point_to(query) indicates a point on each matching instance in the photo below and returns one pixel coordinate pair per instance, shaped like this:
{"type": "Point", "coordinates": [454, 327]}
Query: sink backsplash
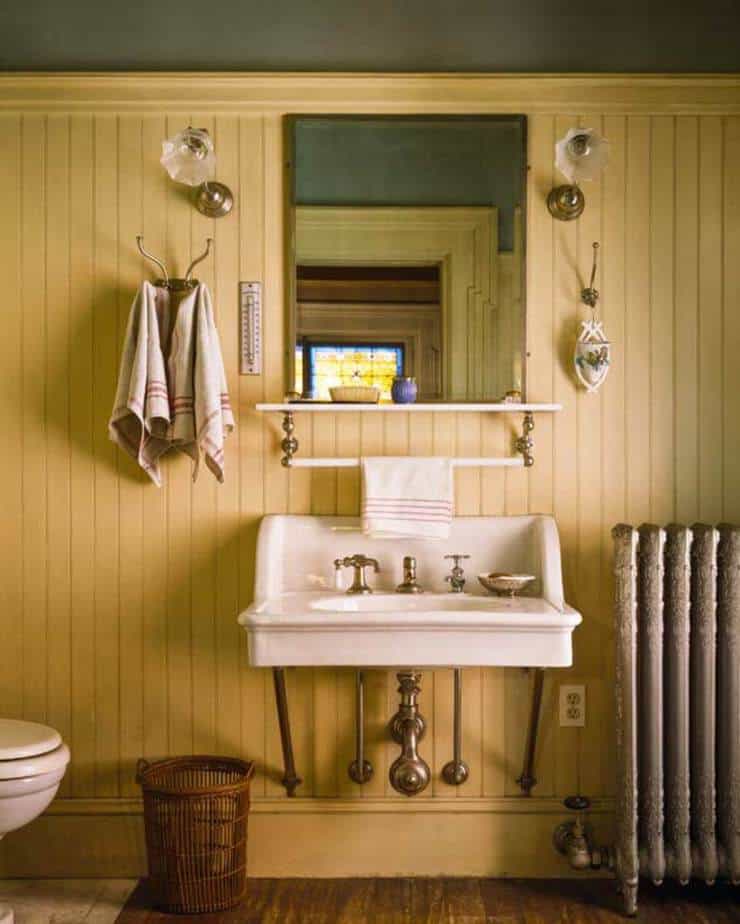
{"type": "Point", "coordinates": [303, 548]}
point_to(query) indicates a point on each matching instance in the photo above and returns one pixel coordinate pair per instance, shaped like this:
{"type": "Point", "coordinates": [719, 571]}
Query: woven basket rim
{"type": "Point", "coordinates": [145, 769]}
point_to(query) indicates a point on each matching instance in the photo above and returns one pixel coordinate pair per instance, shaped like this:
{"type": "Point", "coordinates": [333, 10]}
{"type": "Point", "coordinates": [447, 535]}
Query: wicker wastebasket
{"type": "Point", "coordinates": [195, 819]}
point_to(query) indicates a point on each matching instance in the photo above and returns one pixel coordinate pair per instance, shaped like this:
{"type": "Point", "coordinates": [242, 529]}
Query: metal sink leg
{"type": "Point", "coordinates": [528, 780]}
{"type": "Point", "coordinates": [290, 779]}
{"type": "Point", "coordinates": [360, 770]}
{"type": "Point", "coordinates": [456, 771]}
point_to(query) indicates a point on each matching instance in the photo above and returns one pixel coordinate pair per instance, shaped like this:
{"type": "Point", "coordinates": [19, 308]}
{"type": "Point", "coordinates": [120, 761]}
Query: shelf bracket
{"type": "Point", "coordinates": [525, 443]}
{"type": "Point", "coordinates": [289, 444]}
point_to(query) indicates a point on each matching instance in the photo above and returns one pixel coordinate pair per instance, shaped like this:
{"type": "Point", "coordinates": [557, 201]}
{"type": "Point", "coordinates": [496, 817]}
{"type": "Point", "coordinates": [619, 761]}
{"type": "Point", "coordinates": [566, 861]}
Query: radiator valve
{"type": "Point", "coordinates": [574, 839]}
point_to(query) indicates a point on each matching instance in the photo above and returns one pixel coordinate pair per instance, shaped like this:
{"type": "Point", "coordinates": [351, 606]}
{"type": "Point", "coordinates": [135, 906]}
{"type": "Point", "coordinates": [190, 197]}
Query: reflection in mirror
{"type": "Point", "coordinates": [407, 256]}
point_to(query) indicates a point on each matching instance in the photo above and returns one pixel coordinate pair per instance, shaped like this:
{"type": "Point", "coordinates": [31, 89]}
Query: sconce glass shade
{"type": "Point", "coordinates": [189, 157]}
{"type": "Point", "coordinates": [581, 155]}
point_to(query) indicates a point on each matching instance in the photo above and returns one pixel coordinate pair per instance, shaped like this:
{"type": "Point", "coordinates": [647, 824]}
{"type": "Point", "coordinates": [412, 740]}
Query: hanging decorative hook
{"type": "Point", "coordinates": [590, 295]}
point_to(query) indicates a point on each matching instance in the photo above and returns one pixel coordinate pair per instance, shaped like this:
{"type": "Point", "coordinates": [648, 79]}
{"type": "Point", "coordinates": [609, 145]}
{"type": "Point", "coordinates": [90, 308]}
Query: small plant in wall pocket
{"type": "Point", "coordinates": [592, 354]}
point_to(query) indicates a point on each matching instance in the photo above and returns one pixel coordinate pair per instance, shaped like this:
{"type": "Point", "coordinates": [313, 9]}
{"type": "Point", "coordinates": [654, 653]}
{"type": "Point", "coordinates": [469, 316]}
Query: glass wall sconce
{"type": "Point", "coordinates": [189, 158]}
{"type": "Point", "coordinates": [580, 155]}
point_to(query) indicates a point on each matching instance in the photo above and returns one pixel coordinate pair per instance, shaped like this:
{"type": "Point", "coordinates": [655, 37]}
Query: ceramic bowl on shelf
{"type": "Point", "coordinates": [504, 584]}
{"type": "Point", "coordinates": [355, 394]}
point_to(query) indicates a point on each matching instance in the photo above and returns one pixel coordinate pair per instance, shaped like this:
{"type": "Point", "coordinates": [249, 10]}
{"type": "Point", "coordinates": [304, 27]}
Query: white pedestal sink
{"type": "Point", "coordinates": [299, 618]}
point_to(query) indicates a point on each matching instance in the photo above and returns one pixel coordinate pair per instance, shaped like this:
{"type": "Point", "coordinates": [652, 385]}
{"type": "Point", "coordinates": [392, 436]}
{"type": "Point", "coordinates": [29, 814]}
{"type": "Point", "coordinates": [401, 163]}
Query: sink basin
{"type": "Point", "coordinates": [401, 604]}
{"type": "Point", "coordinates": [298, 618]}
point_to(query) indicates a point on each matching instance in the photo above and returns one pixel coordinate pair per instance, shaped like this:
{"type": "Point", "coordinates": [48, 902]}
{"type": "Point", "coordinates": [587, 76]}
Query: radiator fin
{"type": "Point", "coordinates": [676, 602]}
{"type": "Point", "coordinates": [650, 699]}
{"type": "Point", "coordinates": [728, 711]}
{"type": "Point", "coordinates": [704, 700]}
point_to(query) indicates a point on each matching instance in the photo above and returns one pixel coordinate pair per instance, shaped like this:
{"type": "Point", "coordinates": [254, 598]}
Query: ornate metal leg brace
{"type": "Point", "coordinates": [525, 443]}
{"type": "Point", "coordinates": [456, 771]}
{"type": "Point", "coordinates": [409, 774]}
{"type": "Point", "coordinates": [360, 770]}
{"type": "Point", "coordinates": [290, 780]}
{"type": "Point", "coordinates": [289, 445]}
{"type": "Point", "coordinates": [527, 780]}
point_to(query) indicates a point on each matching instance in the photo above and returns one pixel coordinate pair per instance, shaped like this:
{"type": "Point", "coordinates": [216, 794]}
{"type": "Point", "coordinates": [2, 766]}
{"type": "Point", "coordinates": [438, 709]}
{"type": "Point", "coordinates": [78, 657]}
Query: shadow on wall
{"type": "Point", "coordinates": [85, 424]}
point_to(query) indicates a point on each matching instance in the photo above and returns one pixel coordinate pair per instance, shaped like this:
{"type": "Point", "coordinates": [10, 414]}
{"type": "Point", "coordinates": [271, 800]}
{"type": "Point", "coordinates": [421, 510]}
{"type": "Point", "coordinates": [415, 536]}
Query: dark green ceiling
{"type": "Point", "coordinates": [385, 35]}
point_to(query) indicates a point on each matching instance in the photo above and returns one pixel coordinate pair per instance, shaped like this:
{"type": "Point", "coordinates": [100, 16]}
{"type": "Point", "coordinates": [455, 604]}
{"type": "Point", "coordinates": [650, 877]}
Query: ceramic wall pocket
{"type": "Point", "coordinates": [592, 355]}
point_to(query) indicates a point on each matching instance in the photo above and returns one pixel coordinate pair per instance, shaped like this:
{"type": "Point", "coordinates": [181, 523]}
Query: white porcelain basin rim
{"type": "Point", "coordinates": [317, 611]}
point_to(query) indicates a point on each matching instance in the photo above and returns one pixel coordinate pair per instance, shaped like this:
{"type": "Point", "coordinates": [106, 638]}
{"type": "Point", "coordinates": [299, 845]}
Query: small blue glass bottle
{"type": "Point", "coordinates": [404, 390]}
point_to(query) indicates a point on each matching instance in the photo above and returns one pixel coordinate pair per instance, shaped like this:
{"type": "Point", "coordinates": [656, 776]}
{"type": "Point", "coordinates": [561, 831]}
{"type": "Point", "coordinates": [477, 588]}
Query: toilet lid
{"type": "Point", "coordinates": [26, 739]}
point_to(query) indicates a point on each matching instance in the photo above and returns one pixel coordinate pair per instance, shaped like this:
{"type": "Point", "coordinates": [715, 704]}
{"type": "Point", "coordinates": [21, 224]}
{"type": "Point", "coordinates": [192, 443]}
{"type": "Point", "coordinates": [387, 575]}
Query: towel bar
{"type": "Point", "coordinates": [495, 462]}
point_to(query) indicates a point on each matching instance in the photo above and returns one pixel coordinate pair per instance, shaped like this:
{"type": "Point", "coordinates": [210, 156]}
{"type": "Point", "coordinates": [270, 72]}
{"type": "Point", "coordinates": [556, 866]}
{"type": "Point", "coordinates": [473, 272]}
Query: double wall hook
{"type": "Point", "coordinates": [173, 283]}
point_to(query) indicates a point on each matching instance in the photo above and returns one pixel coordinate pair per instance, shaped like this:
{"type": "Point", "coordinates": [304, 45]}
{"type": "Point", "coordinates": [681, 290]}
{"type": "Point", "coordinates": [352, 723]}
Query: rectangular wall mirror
{"type": "Point", "coordinates": [407, 255]}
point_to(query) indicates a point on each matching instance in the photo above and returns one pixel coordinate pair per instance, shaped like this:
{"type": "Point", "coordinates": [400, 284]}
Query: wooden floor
{"type": "Point", "coordinates": [452, 901]}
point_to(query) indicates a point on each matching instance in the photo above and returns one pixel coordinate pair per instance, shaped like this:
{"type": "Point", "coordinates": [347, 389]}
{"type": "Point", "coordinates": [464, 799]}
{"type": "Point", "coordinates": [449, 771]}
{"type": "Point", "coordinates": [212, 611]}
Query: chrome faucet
{"type": "Point", "coordinates": [456, 577]}
{"type": "Point", "coordinates": [359, 563]}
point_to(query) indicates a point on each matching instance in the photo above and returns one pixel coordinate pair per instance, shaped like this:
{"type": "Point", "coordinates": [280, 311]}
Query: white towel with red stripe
{"type": "Point", "coordinates": [140, 420]}
{"type": "Point", "coordinates": [172, 394]}
{"type": "Point", "coordinates": [407, 497]}
{"type": "Point", "coordinates": [200, 411]}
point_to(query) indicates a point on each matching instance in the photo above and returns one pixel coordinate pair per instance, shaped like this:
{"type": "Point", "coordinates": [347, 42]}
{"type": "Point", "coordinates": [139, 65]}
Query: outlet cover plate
{"type": "Point", "coordinates": [572, 704]}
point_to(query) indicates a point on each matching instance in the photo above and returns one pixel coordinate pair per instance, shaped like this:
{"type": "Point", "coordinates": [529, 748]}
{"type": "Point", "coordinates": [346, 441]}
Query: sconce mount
{"type": "Point", "coordinates": [214, 200]}
{"type": "Point", "coordinates": [566, 202]}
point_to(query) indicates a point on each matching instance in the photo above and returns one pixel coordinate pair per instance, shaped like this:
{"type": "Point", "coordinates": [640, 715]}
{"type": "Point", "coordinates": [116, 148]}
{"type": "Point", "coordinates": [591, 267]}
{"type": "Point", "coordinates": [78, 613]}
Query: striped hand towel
{"type": "Point", "coordinates": [141, 414]}
{"type": "Point", "coordinates": [407, 497]}
{"type": "Point", "coordinates": [199, 402]}
{"type": "Point", "coordinates": [179, 403]}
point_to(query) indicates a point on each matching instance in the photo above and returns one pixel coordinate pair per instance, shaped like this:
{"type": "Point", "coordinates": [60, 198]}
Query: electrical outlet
{"type": "Point", "coordinates": [573, 705]}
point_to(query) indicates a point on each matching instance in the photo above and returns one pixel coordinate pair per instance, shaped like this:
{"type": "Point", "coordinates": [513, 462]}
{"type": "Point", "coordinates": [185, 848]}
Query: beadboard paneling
{"type": "Point", "coordinates": [119, 601]}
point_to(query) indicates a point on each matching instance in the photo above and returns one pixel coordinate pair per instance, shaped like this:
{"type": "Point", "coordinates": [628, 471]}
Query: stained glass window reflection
{"type": "Point", "coordinates": [330, 365]}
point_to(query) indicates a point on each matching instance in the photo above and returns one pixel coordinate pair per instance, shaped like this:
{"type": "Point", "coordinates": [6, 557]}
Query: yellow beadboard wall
{"type": "Point", "coordinates": [118, 601]}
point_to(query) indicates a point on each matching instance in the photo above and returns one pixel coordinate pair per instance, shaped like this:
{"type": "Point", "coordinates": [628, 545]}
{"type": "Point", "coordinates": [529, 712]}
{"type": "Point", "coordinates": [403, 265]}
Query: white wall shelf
{"type": "Point", "coordinates": [523, 445]}
{"type": "Point", "coordinates": [318, 407]}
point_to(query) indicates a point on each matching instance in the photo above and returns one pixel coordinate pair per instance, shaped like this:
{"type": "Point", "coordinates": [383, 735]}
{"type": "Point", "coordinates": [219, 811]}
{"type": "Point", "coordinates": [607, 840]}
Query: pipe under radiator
{"type": "Point", "coordinates": [677, 615]}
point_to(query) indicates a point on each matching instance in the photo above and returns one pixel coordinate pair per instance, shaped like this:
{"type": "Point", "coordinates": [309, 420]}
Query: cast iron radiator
{"type": "Point", "coordinates": [677, 610]}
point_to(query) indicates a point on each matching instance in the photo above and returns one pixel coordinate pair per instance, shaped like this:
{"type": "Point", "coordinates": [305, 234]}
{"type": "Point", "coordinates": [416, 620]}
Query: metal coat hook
{"type": "Point", "coordinates": [197, 260]}
{"type": "Point", "coordinates": [175, 284]}
{"type": "Point", "coordinates": [150, 256]}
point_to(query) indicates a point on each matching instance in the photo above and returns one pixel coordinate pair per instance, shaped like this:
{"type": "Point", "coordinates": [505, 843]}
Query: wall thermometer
{"type": "Point", "coordinates": [250, 328]}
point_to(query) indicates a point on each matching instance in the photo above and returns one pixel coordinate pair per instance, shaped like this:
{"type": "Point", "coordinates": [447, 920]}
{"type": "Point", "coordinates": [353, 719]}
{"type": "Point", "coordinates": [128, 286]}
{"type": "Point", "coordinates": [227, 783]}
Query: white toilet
{"type": "Point", "coordinates": [33, 759]}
